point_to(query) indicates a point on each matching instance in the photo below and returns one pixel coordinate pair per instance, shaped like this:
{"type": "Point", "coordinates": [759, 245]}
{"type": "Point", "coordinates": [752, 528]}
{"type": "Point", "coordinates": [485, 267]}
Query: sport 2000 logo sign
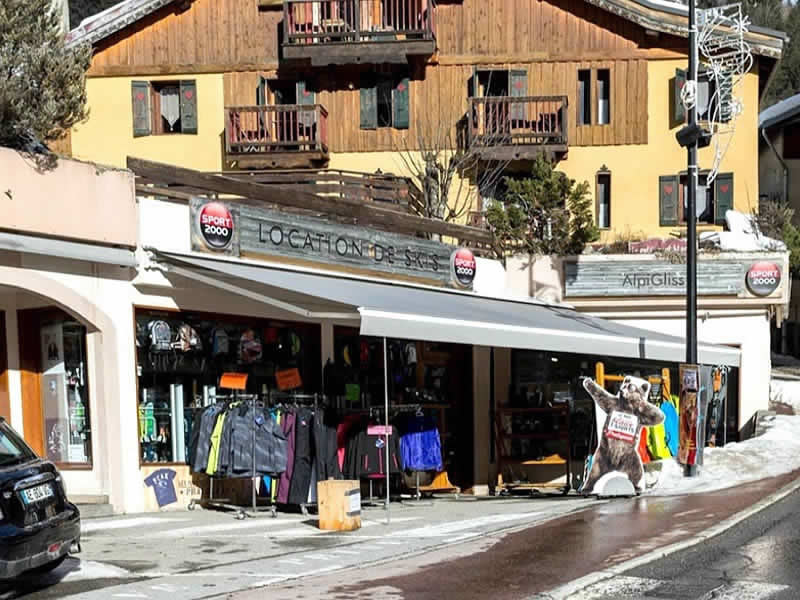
{"type": "Point", "coordinates": [763, 278]}
{"type": "Point", "coordinates": [215, 224]}
{"type": "Point", "coordinates": [463, 266]}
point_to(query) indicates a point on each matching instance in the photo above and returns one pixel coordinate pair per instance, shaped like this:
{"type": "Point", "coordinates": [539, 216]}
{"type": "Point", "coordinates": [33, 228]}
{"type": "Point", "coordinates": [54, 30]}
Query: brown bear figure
{"type": "Point", "coordinates": [627, 412]}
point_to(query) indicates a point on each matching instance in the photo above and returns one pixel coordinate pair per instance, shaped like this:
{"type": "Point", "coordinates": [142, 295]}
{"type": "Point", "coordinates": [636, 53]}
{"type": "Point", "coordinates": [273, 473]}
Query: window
{"type": "Point", "coordinates": [385, 103]}
{"type": "Point", "coordinates": [65, 391]}
{"type": "Point", "coordinates": [181, 356]}
{"type": "Point", "coordinates": [603, 199]}
{"type": "Point", "coordinates": [164, 107]}
{"type": "Point", "coordinates": [603, 97]}
{"type": "Point", "coordinates": [584, 97]}
{"type": "Point", "coordinates": [791, 142]}
{"type": "Point", "coordinates": [13, 450]}
{"type": "Point", "coordinates": [713, 201]}
{"type": "Point", "coordinates": [713, 102]}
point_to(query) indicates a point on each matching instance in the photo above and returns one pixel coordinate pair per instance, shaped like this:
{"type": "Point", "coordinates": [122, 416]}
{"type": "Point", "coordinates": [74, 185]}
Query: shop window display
{"type": "Point", "coordinates": [181, 357]}
{"type": "Point", "coordinates": [65, 392]}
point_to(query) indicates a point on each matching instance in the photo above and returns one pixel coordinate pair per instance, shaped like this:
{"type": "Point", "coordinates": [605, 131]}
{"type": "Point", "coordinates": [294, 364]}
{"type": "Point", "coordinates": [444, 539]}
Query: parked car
{"type": "Point", "coordinates": [39, 527]}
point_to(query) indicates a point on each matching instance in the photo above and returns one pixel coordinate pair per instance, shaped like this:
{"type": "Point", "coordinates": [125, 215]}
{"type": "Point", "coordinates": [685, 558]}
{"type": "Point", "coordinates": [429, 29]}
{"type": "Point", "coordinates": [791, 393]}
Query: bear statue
{"type": "Point", "coordinates": [626, 413]}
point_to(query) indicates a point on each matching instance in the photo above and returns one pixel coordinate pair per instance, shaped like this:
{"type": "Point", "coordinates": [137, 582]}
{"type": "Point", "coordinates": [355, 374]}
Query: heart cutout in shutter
{"type": "Point", "coordinates": [401, 88]}
{"type": "Point", "coordinates": [724, 188]}
{"type": "Point", "coordinates": [306, 93]}
{"type": "Point", "coordinates": [518, 85]}
{"type": "Point", "coordinates": [667, 189]}
{"type": "Point", "coordinates": [188, 94]}
{"type": "Point", "coordinates": [140, 96]}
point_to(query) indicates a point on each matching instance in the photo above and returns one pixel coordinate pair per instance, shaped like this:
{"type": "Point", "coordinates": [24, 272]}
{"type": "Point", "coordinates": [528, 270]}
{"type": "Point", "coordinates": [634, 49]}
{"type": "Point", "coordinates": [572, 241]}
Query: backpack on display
{"type": "Point", "coordinates": [160, 335]}
{"type": "Point", "coordinates": [188, 339]}
{"type": "Point", "coordinates": [220, 342]}
{"type": "Point", "coordinates": [249, 347]}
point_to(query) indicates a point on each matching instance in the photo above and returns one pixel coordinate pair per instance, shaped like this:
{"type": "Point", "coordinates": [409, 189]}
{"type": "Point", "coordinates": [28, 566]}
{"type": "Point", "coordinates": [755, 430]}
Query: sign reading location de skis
{"type": "Point", "coordinates": [232, 229]}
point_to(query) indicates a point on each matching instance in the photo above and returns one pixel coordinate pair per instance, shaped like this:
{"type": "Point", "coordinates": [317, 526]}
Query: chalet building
{"type": "Point", "coordinates": [362, 85]}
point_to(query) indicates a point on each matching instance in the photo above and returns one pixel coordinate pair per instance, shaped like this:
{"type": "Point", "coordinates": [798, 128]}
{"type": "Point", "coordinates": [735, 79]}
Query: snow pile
{"type": "Point", "coordinates": [742, 236]}
{"type": "Point", "coordinates": [775, 453]}
{"type": "Point", "coordinates": [785, 392]}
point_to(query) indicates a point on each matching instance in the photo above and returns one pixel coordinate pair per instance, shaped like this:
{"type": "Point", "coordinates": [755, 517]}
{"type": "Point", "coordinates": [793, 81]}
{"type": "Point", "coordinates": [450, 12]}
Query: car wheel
{"type": "Point", "coordinates": [51, 566]}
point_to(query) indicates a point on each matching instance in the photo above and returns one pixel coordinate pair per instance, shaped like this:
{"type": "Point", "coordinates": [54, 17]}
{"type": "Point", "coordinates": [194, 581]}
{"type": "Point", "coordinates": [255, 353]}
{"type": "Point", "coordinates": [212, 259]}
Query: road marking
{"type": "Point", "coordinates": [622, 587]}
{"type": "Point", "coordinates": [111, 524]}
{"type": "Point", "coordinates": [203, 530]}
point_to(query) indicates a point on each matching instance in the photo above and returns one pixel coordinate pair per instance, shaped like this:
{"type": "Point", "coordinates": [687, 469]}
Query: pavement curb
{"type": "Point", "coordinates": [565, 591]}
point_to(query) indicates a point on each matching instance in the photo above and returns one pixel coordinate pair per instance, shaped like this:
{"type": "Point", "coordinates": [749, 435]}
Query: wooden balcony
{"type": "Point", "coordinates": [342, 32]}
{"type": "Point", "coordinates": [284, 136]}
{"type": "Point", "coordinates": [519, 128]}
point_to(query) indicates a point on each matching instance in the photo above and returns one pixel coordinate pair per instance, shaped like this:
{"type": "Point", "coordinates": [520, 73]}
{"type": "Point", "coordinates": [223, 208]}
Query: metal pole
{"type": "Point", "coordinates": [691, 217]}
{"type": "Point", "coordinates": [386, 419]}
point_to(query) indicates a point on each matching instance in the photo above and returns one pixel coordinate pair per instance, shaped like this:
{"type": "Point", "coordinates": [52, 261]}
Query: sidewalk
{"type": "Point", "coordinates": [203, 554]}
{"type": "Point", "coordinates": [520, 564]}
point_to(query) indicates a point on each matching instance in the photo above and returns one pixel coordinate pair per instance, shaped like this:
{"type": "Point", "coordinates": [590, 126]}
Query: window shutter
{"type": "Point", "coordinates": [369, 107]}
{"type": "Point", "coordinates": [140, 95]}
{"type": "Point", "coordinates": [723, 196]}
{"type": "Point", "coordinates": [400, 110]}
{"type": "Point", "coordinates": [668, 200]}
{"type": "Point", "coordinates": [188, 106]}
{"type": "Point", "coordinates": [518, 87]}
{"type": "Point", "coordinates": [305, 97]}
{"type": "Point", "coordinates": [678, 110]}
{"type": "Point", "coordinates": [724, 88]}
{"type": "Point", "coordinates": [261, 92]}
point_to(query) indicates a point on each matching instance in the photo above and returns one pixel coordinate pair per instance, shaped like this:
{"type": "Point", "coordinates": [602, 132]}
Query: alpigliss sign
{"type": "Point", "coordinates": [238, 230]}
{"type": "Point", "coordinates": [717, 277]}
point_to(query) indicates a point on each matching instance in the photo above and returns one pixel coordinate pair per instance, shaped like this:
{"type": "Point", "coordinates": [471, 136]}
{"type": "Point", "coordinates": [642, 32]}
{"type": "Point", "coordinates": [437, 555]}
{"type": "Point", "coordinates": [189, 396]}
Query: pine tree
{"type": "Point", "coordinates": [787, 80]}
{"type": "Point", "coordinates": [42, 82]}
{"type": "Point", "coordinates": [546, 213]}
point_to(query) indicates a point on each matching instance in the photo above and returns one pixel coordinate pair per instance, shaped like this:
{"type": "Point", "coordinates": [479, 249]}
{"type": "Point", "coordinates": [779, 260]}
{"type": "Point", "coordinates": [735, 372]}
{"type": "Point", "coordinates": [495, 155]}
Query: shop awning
{"type": "Point", "coordinates": [420, 313]}
{"type": "Point", "coordinates": [14, 242]}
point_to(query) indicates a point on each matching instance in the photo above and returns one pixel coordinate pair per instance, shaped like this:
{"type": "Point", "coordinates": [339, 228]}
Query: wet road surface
{"type": "Point", "coordinates": [519, 565]}
{"type": "Point", "coordinates": [759, 558]}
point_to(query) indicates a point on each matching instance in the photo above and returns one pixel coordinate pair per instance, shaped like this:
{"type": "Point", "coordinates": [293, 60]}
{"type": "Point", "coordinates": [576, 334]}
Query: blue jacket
{"type": "Point", "coordinates": [670, 426]}
{"type": "Point", "coordinates": [420, 445]}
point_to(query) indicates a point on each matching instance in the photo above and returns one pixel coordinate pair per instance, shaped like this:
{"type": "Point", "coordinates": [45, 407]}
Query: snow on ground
{"type": "Point", "coordinates": [775, 453]}
{"type": "Point", "coordinates": [785, 392]}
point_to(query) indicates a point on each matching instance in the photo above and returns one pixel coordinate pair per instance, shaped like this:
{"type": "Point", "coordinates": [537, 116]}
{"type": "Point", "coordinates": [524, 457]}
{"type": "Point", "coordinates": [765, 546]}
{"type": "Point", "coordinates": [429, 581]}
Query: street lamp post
{"type": "Point", "coordinates": [691, 217]}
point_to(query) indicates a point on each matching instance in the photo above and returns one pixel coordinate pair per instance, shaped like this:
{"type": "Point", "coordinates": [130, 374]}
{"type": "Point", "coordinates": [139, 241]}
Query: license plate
{"type": "Point", "coordinates": [37, 494]}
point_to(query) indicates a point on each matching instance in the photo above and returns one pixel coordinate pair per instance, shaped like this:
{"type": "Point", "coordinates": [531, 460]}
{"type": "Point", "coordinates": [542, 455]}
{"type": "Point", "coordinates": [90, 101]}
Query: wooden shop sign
{"type": "Point", "coordinates": [227, 228]}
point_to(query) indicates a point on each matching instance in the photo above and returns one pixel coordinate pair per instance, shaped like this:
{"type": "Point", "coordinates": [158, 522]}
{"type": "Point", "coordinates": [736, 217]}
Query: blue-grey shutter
{"type": "Point", "coordinates": [188, 106]}
{"type": "Point", "coordinates": [668, 200]}
{"type": "Point", "coordinates": [140, 97]}
{"type": "Point", "coordinates": [369, 107]}
{"type": "Point", "coordinates": [305, 97]}
{"type": "Point", "coordinates": [518, 87]}
{"type": "Point", "coordinates": [678, 110]}
{"type": "Point", "coordinates": [723, 196]}
{"type": "Point", "coordinates": [400, 108]}
{"type": "Point", "coordinates": [261, 92]}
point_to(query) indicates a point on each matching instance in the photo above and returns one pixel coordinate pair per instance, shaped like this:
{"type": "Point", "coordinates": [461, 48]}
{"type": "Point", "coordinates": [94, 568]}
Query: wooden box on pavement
{"type": "Point", "coordinates": [339, 504]}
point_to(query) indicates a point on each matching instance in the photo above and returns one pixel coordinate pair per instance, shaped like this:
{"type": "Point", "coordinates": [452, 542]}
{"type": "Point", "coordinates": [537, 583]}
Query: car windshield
{"type": "Point", "coordinates": [12, 449]}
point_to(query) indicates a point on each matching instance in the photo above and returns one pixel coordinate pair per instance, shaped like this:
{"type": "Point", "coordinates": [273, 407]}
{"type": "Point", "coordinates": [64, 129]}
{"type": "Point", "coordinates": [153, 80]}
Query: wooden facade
{"type": "Point", "coordinates": [236, 35]}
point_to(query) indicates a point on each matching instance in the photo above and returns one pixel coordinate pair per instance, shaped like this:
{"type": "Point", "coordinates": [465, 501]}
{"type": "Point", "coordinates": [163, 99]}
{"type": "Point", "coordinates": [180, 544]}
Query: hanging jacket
{"type": "Point", "coordinates": [657, 442]}
{"type": "Point", "coordinates": [213, 454]}
{"type": "Point", "coordinates": [671, 434]}
{"type": "Point", "coordinates": [420, 445]}
{"type": "Point", "coordinates": [285, 481]}
{"type": "Point", "coordinates": [325, 445]}
{"type": "Point", "coordinates": [200, 445]}
{"type": "Point", "coordinates": [371, 453]}
{"type": "Point", "coordinates": [270, 443]}
{"type": "Point", "coordinates": [642, 447]}
{"type": "Point", "coordinates": [301, 473]}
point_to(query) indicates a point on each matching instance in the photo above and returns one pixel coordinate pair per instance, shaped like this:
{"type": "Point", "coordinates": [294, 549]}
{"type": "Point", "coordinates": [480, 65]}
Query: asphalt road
{"type": "Point", "coordinates": [758, 558]}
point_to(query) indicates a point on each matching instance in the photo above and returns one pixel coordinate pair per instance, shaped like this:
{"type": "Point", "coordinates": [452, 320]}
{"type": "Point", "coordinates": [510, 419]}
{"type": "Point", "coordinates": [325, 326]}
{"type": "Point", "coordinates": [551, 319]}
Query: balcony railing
{"type": "Point", "coordinates": [525, 121]}
{"type": "Point", "coordinates": [323, 22]}
{"type": "Point", "coordinates": [285, 128]}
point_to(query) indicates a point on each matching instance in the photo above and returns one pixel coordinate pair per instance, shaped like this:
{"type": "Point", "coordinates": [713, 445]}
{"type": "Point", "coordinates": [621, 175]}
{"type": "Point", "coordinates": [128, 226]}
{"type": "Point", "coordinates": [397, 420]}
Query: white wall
{"type": "Point", "coordinates": [751, 333]}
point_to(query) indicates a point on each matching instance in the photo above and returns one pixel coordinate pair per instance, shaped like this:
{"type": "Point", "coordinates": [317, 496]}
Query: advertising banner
{"type": "Point", "coordinates": [689, 415]}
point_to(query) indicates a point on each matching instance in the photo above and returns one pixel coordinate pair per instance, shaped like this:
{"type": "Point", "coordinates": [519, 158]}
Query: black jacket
{"type": "Point", "coordinates": [270, 443]}
{"type": "Point", "coordinates": [369, 457]}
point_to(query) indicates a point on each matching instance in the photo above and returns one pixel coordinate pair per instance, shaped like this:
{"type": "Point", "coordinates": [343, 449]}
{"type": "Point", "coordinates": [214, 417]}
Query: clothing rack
{"type": "Point", "coordinates": [225, 503]}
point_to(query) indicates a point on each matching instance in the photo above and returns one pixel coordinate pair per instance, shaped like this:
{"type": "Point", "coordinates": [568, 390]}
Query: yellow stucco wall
{"type": "Point", "coordinates": [107, 136]}
{"type": "Point", "coordinates": [635, 169]}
